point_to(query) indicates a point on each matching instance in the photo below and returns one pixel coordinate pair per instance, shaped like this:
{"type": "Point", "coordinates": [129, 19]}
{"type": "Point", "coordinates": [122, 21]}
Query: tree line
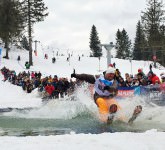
{"type": "Point", "coordinates": [149, 42]}
{"type": "Point", "coordinates": [17, 18]}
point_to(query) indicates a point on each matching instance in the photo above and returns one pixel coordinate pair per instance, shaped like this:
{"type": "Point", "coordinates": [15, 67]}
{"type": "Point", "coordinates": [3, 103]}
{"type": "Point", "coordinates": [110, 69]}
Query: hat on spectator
{"type": "Point", "coordinates": [139, 70]}
{"type": "Point", "coordinates": [110, 65]}
{"type": "Point", "coordinates": [110, 70]}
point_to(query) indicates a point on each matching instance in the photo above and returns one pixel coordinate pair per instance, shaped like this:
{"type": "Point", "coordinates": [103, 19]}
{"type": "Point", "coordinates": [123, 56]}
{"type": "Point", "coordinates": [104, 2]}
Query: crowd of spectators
{"type": "Point", "coordinates": [139, 79]}
{"type": "Point", "coordinates": [49, 87]}
{"type": "Point", "coordinates": [54, 87]}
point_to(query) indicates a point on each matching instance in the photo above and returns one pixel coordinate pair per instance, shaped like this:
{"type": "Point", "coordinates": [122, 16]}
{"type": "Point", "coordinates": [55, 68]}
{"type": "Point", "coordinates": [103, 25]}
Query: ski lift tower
{"type": "Point", "coordinates": [108, 48]}
{"type": "Point", "coordinates": [36, 46]}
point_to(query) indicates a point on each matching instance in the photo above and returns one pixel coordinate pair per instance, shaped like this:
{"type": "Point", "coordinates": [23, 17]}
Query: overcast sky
{"type": "Point", "coordinates": [69, 23]}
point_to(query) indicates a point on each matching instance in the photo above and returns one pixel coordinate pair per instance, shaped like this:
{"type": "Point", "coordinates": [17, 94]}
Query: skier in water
{"type": "Point", "coordinates": [105, 90]}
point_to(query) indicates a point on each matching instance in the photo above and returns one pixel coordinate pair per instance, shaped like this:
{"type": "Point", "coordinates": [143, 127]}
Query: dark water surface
{"type": "Point", "coordinates": [13, 126]}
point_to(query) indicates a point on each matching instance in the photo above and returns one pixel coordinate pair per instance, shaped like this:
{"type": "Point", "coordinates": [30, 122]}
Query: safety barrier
{"type": "Point", "coordinates": [150, 91]}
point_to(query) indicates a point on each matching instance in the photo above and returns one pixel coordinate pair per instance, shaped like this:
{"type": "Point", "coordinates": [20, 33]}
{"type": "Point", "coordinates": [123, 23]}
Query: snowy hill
{"type": "Point", "coordinates": [14, 96]}
{"type": "Point", "coordinates": [64, 68]}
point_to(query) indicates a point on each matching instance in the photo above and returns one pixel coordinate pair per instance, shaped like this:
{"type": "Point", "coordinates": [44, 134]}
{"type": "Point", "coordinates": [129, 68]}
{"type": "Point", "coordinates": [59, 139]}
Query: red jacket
{"type": "Point", "coordinates": [49, 89]}
{"type": "Point", "coordinates": [155, 79]}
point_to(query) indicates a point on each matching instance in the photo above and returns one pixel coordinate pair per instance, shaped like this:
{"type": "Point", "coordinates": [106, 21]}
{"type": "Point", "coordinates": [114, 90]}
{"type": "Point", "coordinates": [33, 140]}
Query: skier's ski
{"type": "Point", "coordinates": [137, 111]}
{"type": "Point", "coordinates": [112, 110]}
{"type": "Point", "coordinates": [110, 118]}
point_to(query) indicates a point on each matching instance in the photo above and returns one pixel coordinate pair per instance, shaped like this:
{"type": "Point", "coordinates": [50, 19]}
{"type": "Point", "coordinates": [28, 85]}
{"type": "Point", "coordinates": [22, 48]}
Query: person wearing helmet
{"type": "Point", "coordinates": [105, 87]}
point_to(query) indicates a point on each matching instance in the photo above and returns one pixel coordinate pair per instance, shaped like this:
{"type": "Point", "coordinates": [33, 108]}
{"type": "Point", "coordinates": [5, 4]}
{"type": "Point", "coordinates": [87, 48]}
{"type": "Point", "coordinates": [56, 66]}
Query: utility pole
{"type": "Point", "coordinates": [36, 46]}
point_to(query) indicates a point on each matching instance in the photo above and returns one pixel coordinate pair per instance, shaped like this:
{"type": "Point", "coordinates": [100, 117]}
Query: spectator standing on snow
{"type": "Point", "coordinates": [18, 58]}
{"type": "Point", "coordinates": [150, 67]}
{"type": "Point", "coordinates": [53, 60]}
{"type": "Point", "coordinates": [114, 65]}
{"type": "Point", "coordinates": [27, 65]}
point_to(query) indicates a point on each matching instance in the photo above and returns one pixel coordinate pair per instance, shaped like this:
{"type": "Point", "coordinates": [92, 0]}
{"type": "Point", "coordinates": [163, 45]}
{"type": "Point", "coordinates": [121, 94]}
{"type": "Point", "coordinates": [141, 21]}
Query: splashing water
{"type": "Point", "coordinates": [151, 117]}
{"type": "Point", "coordinates": [60, 116]}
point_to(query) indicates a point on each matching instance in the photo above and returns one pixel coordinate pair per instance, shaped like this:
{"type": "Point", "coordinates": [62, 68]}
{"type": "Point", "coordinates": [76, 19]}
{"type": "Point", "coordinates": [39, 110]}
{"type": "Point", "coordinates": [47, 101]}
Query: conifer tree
{"type": "Point", "coordinates": [35, 11]}
{"type": "Point", "coordinates": [123, 45]}
{"type": "Point", "coordinates": [126, 44]}
{"type": "Point", "coordinates": [119, 53]}
{"type": "Point", "coordinates": [152, 20]}
{"type": "Point", "coordinates": [24, 43]}
{"type": "Point", "coordinates": [94, 43]}
{"type": "Point", "coordinates": [139, 43]}
{"type": "Point", "coordinates": [11, 22]}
